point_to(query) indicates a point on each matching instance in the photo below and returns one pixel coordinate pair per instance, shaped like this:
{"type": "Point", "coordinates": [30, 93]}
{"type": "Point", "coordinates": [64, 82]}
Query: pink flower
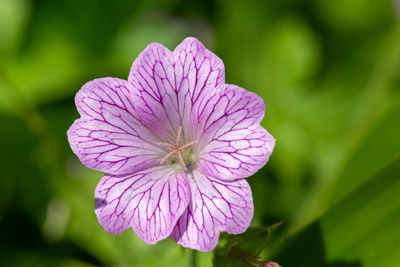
{"type": "Point", "coordinates": [176, 143]}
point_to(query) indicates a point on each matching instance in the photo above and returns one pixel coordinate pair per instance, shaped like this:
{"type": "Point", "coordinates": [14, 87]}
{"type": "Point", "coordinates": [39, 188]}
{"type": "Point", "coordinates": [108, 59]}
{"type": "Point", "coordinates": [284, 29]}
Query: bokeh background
{"type": "Point", "coordinates": [328, 70]}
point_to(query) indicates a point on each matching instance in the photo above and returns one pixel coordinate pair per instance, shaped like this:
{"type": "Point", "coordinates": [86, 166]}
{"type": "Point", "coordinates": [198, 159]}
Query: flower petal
{"type": "Point", "coordinates": [149, 201]}
{"type": "Point", "coordinates": [215, 207]}
{"type": "Point", "coordinates": [169, 83]}
{"type": "Point", "coordinates": [232, 144]}
{"type": "Point", "coordinates": [108, 137]}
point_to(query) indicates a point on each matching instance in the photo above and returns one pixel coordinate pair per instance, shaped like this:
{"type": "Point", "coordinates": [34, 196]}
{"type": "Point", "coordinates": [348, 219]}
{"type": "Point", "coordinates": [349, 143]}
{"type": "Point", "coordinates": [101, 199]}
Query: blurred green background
{"type": "Point", "coordinates": [328, 70]}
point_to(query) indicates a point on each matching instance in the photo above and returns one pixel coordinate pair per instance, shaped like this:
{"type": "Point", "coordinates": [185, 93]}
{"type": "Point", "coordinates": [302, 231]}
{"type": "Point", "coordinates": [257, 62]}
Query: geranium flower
{"type": "Point", "coordinates": [176, 143]}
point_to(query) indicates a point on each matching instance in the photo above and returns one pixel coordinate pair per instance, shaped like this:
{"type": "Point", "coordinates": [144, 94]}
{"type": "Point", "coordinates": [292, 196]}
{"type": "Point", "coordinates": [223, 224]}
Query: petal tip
{"type": "Point", "coordinates": [192, 40]}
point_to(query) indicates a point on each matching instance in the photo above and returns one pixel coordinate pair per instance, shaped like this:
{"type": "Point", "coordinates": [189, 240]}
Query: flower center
{"type": "Point", "coordinates": [179, 152]}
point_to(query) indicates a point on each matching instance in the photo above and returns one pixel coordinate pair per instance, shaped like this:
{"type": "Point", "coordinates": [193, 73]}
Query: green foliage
{"type": "Point", "coordinates": [239, 250]}
{"type": "Point", "coordinates": [361, 230]}
{"type": "Point", "coordinates": [367, 222]}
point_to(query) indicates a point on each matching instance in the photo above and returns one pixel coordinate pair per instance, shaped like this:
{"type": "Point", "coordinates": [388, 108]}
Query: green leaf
{"type": "Point", "coordinates": [379, 146]}
{"type": "Point", "coordinates": [234, 250]}
{"type": "Point", "coordinates": [366, 225]}
{"type": "Point", "coordinates": [361, 230]}
{"type": "Point", "coordinates": [13, 17]}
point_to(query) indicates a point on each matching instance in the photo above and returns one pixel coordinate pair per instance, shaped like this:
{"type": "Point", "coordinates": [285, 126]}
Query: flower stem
{"type": "Point", "coordinates": [193, 258]}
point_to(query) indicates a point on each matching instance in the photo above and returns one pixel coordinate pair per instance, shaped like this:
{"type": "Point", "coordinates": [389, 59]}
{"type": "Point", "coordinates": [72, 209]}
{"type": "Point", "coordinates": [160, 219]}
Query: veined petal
{"type": "Point", "coordinates": [108, 137]}
{"type": "Point", "coordinates": [215, 207]}
{"type": "Point", "coordinates": [149, 201]}
{"type": "Point", "coordinates": [170, 83]}
{"type": "Point", "coordinates": [232, 143]}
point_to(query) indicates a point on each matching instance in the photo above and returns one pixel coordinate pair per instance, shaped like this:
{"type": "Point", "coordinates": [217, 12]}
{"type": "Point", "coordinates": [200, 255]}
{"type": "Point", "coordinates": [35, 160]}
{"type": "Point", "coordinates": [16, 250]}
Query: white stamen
{"type": "Point", "coordinates": [177, 148]}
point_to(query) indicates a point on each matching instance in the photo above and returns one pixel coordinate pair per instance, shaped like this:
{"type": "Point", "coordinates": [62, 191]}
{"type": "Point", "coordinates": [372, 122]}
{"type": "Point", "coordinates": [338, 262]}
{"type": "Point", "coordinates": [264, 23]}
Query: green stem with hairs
{"type": "Point", "coordinates": [193, 258]}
